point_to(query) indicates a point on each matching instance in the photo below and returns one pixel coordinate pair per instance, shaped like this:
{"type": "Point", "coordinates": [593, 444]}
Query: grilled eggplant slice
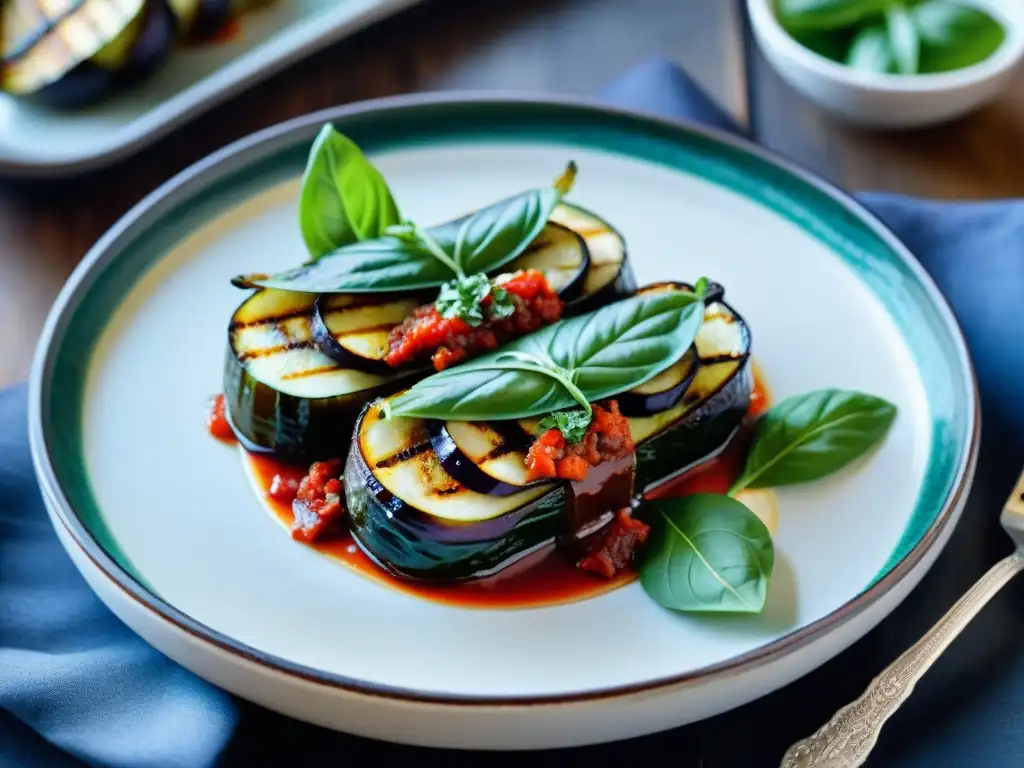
{"type": "Point", "coordinates": [416, 515]}
{"type": "Point", "coordinates": [69, 53]}
{"type": "Point", "coordinates": [609, 276]}
{"type": "Point", "coordinates": [282, 394]}
{"type": "Point", "coordinates": [353, 328]}
{"type": "Point", "coordinates": [295, 379]}
{"type": "Point", "coordinates": [356, 337]}
{"type": "Point", "coordinates": [562, 255]}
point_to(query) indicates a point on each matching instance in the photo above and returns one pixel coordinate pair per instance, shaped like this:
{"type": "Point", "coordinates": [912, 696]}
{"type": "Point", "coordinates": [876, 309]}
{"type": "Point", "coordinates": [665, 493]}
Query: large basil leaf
{"type": "Point", "coordinates": [706, 553]}
{"type": "Point", "coordinates": [903, 39]}
{"type": "Point", "coordinates": [828, 14]}
{"type": "Point", "coordinates": [344, 198]}
{"type": "Point", "coordinates": [809, 436]}
{"type": "Point", "coordinates": [871, 51]}
{"type": "Point", "coordinates": [604, 353]}
{"type": "Point", "coordinates": [480, 242]}
{"type": "Point", "coordinates": [955, 35]}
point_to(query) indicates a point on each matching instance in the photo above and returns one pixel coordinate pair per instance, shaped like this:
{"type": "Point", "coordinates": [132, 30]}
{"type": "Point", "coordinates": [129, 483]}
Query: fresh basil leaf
{"type": "Point", "coordinates": [903, 39]}
{"type": "Point", "coordinates": [809, 436]}
{"type": "Point", "coordinates": [605, 353]}
{"type": "Point", "coordinates": [344, 198]}
{"type": "Point", "coordinates": [479, 242]}
{"type": "Point", "coordinates": [955, 35]}
{"type": "Point", "coordinates": [706, 553]}
{"type": "Point", "coordinates": [832, 44]}
{"type": "Point", "coordinates": [871, 51]}
{"type": "Point", "coordinates": [827, 14]}
{"type": "Point", "coordinates": [572, 424]}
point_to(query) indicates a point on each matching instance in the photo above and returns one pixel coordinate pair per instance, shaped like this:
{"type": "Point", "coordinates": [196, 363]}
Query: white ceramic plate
{"type": "Point", "coordinates": [38, 141]}
{"type": "Point", "coordinates": [160, 519]}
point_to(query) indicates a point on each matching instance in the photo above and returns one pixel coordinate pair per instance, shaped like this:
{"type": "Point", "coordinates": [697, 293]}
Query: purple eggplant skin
{"type": "Point", "coordinates": [413, 546]}
{"type": "Point", "coordinates": [460, 467]}
{"type": "Point", "coordinates": [293, 429]}
{"type": "Point", "coordinates": [88, 82]}
{"type": "Point", "coordinates": [329, 345]}
{"type": "Point", "coordinates": [153, 45]}
{"type": "Point", "coordinates": [636, 404]}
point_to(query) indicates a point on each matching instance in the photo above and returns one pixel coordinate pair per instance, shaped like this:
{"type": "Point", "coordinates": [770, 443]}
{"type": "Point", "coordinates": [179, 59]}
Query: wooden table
{"type": "Point", "coordinates": [568, 46]}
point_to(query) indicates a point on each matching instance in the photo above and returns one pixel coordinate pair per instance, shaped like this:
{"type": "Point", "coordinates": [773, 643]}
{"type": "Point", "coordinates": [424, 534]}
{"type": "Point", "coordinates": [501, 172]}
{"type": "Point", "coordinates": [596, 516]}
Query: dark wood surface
{"type": "Point", "coordinates": [562, 46]}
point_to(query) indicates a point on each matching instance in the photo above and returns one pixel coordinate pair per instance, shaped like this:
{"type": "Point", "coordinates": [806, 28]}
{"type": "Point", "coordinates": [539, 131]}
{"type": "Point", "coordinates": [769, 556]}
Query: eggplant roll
{"type": "Point", "coordinates": [299, 368]}
{"type": "Point", "coordinates": [450, 501]}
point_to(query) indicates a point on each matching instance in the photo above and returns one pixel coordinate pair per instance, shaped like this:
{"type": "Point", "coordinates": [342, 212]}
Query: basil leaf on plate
{"type": "Point", "coordinates": [809, 436]}
{"type": "Point", "coordinates": [480, 242]}
{"type": "Point", "coordinates": [955, 35]}
{"type": "Point", "coordinates": [706, 553]}
{"type": "Point", "coordinates": [344, 198]}
{"type": "Point", "coordinates": [828, 14]}
{"type": "Point", "coordinates": [903, 39]}
{"type": "Point", "coordinates": [871, 51]}
{"type": "Point", "coordinates": [573, 362]}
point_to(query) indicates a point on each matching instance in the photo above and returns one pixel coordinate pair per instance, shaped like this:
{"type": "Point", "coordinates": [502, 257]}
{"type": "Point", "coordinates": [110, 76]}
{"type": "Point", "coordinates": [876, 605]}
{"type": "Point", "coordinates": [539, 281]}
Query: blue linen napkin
{"type": "Point", "coordinates": [77, 686]}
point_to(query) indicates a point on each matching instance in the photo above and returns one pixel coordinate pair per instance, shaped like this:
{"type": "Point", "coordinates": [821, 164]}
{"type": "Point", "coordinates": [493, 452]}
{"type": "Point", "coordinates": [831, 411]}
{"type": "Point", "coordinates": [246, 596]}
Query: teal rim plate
{"type": "Point", "coordinates": [162, 522]}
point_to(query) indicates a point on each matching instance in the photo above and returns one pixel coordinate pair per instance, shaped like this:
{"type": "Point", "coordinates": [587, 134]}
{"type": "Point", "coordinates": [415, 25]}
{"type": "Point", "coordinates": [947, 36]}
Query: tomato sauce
{"type": "Point", "coordinates": [217, 421]}
{"type": "Point", "coordinates": [540, 579]}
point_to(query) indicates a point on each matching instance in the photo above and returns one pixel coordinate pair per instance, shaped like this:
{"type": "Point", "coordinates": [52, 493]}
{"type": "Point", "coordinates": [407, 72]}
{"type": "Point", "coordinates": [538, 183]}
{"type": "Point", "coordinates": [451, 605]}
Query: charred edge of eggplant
{"type": "Point", "coordinates": [465, 471]}
{"type": "Point", "coordinates": [574, 289]}
{"type": "Point", "coordinates": [666, 455]}
{"type": "Point", "coordinates": [331, 347]}
{"type": "Point", "coordinates": [622, 286]}
{"type": "Point", "coordinates": [416, 547]}
{"type": "Point", "coordinates": [637, 404]}
{"type": "Point", "coordinates": [294, 429]}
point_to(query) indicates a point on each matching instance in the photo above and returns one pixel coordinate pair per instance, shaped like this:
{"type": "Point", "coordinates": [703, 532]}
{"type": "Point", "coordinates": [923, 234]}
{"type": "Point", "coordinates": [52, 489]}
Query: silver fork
{"type": "Point", "coordinates": [846, 740]}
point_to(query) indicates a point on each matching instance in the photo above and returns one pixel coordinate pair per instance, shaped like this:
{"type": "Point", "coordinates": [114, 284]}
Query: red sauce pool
{"type": "Point", "coordinates": [543, 578]}
{"type": "Point", "coordinates": [217, 421]}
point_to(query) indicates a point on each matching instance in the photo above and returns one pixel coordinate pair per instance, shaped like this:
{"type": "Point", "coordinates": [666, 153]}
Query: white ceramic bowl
{"type": "Point", "coordinates": [890, 101]}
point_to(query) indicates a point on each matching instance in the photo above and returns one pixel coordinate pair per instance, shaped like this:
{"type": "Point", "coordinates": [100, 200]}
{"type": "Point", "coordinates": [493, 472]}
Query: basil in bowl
{"type": "Point", "coordinates": [892, 63]}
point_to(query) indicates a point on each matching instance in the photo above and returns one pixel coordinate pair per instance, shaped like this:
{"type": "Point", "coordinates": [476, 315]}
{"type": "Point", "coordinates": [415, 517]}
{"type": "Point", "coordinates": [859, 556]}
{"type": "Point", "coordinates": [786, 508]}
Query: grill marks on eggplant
{"type": "Point", "coordinates": [491, 458]}
{"type": "Point", "coordinates": [606, 249]}
{"type": "Point", "coordinates": [296, 394]}
{"type": "Point", "coordinates": [414, 475]}
{"type": "Point", "coordinates": [447, 529]}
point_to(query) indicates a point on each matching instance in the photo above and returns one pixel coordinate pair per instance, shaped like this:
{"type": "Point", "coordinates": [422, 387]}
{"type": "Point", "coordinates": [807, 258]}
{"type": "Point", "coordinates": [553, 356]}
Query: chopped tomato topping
{"type": "Point", "coordinates": [217, 421]}
{"type": "Point", "coordinates": [606, 438]}
{"type": "Point", "coordinates": [613, 552]}
{"type": "Point", "coordinates": [449, 340]}
{"type": "Point", "coordinates": [283, 489]}
{"type": "Point", "coordinates": [317, 500]}
{"type": "Point", "coordinates": [572, 468]}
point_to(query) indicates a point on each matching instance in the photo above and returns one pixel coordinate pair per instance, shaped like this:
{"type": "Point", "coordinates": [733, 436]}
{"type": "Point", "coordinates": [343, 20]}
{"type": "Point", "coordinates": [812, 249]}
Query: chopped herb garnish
{"type": "Point", "coordinates": [572, 423]}
{"type": "Point", "coordinates": [464, 297]}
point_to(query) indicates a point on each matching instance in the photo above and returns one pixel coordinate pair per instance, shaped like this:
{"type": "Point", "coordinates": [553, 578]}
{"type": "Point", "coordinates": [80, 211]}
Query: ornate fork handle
{"type": "Point", "coordinates": [846, 739]}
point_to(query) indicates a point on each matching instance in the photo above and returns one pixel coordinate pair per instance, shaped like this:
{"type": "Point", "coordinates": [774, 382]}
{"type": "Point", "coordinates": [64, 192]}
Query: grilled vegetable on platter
{"type": "Point", "coordinates": [73, 53]}
{"type": "Point", "coordinates": [488, 411]}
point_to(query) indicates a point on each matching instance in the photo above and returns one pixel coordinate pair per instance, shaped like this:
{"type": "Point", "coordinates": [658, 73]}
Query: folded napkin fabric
{"type": "Point", "coordinates": [77, 686]}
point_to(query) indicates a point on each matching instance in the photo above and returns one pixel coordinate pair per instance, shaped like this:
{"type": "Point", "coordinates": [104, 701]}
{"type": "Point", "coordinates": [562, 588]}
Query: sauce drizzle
{"type": "Point", "coordinates": [540, 579]}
